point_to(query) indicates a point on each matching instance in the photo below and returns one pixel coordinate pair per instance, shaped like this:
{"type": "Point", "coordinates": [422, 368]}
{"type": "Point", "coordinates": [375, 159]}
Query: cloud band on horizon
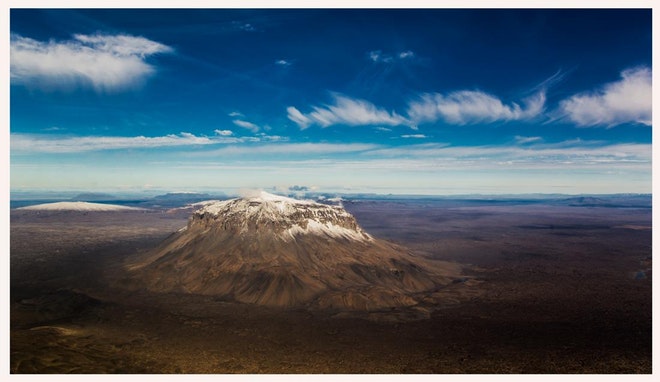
{"type": "Point", "coordinates": [45, 144]}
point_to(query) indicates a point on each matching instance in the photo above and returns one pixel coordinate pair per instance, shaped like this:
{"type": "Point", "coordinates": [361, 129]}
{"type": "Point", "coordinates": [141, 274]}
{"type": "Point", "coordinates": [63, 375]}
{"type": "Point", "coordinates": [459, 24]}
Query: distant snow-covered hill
{"type": "Point", "coordinates": [78, 206]}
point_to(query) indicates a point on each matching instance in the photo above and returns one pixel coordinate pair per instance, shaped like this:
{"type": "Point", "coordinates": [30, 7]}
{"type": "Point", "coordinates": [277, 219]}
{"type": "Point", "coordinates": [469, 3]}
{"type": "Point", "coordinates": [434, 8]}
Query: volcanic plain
{"type": "Point", "coordinates": [560, 286]}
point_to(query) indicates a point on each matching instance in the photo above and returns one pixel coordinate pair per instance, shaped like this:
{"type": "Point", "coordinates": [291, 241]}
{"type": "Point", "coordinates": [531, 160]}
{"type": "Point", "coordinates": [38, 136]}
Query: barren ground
{"type": "Point", "coordinates": [552, 290]}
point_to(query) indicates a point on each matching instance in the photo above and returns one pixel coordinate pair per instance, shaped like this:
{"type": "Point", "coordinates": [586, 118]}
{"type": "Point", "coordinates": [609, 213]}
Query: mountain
{"type": "Point", "coordinates": [611, 201]}
{"type": "Point", "coordinates": [276, 251]}
{"type": "Point", "coordinates": [77, 206]}
{"type": "Point", "coordinates": [179, 199]}
{"type": "Point", "coordinates": [93, 197]}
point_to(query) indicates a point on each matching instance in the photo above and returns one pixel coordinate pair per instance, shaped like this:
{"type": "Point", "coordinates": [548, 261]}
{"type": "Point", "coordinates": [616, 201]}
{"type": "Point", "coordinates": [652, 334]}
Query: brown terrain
{"type": "Point", "coordinates": [541, 289]}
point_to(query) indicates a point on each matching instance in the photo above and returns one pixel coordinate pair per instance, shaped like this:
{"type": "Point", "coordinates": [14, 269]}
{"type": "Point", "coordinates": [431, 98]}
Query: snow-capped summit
{"type": "Point", "coordinates": [263, 198]}
{"type": "Point", "coordinates": [264, 213]}
{"type": "Point", "coordinates": [272, 250]}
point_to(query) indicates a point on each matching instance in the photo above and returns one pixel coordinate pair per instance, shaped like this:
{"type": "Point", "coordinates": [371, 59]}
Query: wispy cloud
{"type": "Point", "coordinates": [551, 81]}
{"type": "Point", "coordinates": [313, 149]}
{"type": "Point", "coordinates": [460, 107]}
{"type": "Point", "coordinates": [298, 118]}
{"type": "Point", "coordinates": [283, 62]}
{"type": "Point", "coordinates": [417, 136]}
{"type": "Point", "coordinates": [524, 140]}
{"type": "Point", "coordinates": [263, 137]}
{"type": "Point", "coordinates": [469, 107]}
{"type": "Point", "coordinates": [247, 27]}
{"type": "Point", "coordinates": [567, 153]}
{"type": "Point", "coordinates": [103, 62]}
{"type": "Point", "coordinates": [224, 133]}
{"type": "Point", "coordinates": [378, 56]}
{"type": "Point", "coordinates": [625, 101]}
{"type": "Point", "coordinates": [246, 125]}
{"type": "Point", "coordinates": [48, 144]}
{"type": "Point", "coordinates": [346, 111]}
{"type": "Point", "coordinates": [235, 114]}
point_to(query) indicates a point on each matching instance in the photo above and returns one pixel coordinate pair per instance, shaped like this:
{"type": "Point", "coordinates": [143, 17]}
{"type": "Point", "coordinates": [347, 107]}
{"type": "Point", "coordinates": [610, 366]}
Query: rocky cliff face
{"type": "Point", "coordinates": [276, 251]}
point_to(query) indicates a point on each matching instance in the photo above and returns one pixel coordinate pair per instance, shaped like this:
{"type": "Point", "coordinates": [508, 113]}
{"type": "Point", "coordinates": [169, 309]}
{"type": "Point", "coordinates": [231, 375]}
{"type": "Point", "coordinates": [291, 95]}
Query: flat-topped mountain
{"type": "Point", "coordinates": [277, 251]}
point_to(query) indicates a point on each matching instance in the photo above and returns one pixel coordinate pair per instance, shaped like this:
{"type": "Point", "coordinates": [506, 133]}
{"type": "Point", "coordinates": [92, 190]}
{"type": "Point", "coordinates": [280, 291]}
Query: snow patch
{"type": "Point", "coordinates": [202, 203]}
{"type": "Point", "coordinates": [263, 196]}
{"type": "Point", "coordinates": [315, 227]}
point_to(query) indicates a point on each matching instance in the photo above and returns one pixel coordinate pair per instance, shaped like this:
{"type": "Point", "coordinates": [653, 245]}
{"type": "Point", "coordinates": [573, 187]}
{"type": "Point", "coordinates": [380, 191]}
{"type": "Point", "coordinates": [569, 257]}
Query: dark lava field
{"type": "Point", "coordinates": [547, 288]}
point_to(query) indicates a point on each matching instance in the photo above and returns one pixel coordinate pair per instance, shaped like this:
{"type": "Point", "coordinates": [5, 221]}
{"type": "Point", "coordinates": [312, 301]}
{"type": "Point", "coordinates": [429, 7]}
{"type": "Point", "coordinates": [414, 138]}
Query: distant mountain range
{"type": "Point", "coordinates": [181, 199]}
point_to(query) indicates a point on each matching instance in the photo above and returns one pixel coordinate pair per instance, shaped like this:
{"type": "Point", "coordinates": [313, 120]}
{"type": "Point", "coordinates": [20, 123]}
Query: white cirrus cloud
{"type": "Point", "coordinates": [49, 144]}
{"type": "Point", "coordinates": [417, 136]}
{"type": "Point", "coordinates": [52, 128]}
{"type": "Point", "coordinates": [246, 125]}
{"type": "Point", "coordinates": [224, 133]}
{"type": "Point", "coordinates": [295, 148]}
{"type": "Point", "coordinates": [345, 111]}
{"type": "Point", "coordinates": [298, 118]}
{"type": "Point", "coordinates": [524, 140]}
{"type": "Point", "coordinates": [270, 138]}
{"type": "Point", "coordinates": [471, 106]}
{"type": "Point", "coordinates": [283, 62]}
{"type": "Point", "coordinates": [379, 57]}
{"type": "Point", "coordinates": [248, 27]}
{"type": "Point", "coordinates": [103, 62]}
{"type": "Point", "coordinates": [571, 152]}
{"type": "Point", "coordinates": [625, 101]}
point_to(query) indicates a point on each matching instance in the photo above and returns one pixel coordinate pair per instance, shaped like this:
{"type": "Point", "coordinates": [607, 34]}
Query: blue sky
{"type": "Point", "coordinates": [386, 101]}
